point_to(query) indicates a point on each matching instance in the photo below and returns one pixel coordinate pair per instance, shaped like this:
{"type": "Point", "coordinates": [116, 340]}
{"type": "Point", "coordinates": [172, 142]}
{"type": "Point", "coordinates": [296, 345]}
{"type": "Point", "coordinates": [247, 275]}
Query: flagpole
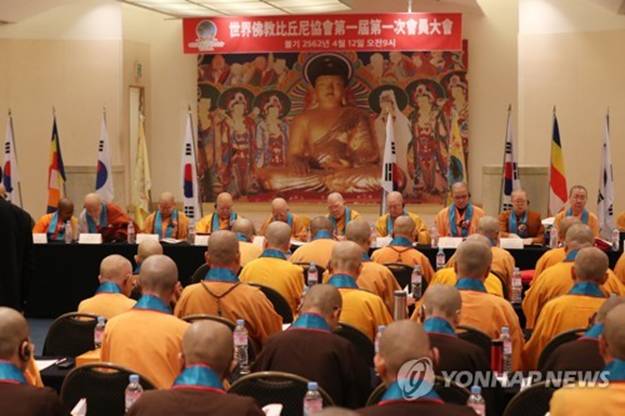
{"type": "Point", "coordinates": [190, 113]}
{"type": "Point", "coordinates": [58, 144]}
{"type": "Point", "coordinates": [503, 164]}
{"type": "Point", "coordinates": [19, 183]}
{"type": "Point", "coordinates": [553, 121]}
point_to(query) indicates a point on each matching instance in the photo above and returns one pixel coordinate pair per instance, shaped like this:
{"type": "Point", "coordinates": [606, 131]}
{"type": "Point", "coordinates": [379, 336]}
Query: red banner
{"type": "Point", "coordinates": [311, 33]}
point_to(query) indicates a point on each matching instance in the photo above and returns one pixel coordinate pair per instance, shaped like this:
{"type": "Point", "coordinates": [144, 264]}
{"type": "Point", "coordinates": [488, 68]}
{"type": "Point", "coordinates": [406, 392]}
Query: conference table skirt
{"type": "Point", "coordinates": [64, 275]}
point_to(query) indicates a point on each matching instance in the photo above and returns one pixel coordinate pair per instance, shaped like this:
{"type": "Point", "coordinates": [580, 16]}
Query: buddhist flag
{"type": "Point", "coordinates": [189, 174]}
{"type": "Point", "coordinates": [10, 176]}
{"type": "Point", "coordinates": [557, 177]}
{"type": "Point", "coordinates": [142, 183]}
{"type": "Point", "coordinates": [104, 171]}
{"type": "Point", "coordinates": [511, 180]}
{"type": "Point", "coordinates": [456, 171]}
{"type": "Point", "coordinates": [389, 163]}
{"type": "Point", "coordinates": [56, 171]}
{"type": "Point", "coordinates": [605, 199]}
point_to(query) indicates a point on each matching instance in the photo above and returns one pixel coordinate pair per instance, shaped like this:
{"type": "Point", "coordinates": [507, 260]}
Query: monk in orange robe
{"type": "Point", "coordinates": [244, 230]}
{"type": "Point", "coordinates": [221, 219]}
{"type": "Point", "coordinates": [339, 214]}
{"type": "Point", "coordinates": [319, 249]}
{"type": "Point", "coordinates": [53, 225]}
{"type": "Point", "coordinates": [395, 208]}
{"type": "Point", "coordinates": [460, 218]}
{"type": "Point", "coordinates": [555, 255]}
{"type": "Point", "coordinates": [167, 221]}
{"type": "Point", "coordinates": [105, 218]}
{"type": "Point", "coordinates": [521, 221]}
{"type": "Point", "coordinates": [578, 196]}
{"type": "Point", "coordinates": [280, 212]}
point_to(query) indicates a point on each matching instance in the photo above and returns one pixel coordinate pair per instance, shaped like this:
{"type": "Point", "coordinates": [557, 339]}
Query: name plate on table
{"type": "Point", "coordinates": [511, 243]}
{"type": "Point", "coordinates": [449, 242]}
{"type": "Point", "coordinates": [382, 241]}
{"type": "Point", "coordinates": [201, 240]}
{"type": "Point", "coordinates": [40, 238]}
{"type": "Point", "coordinates": [90, 238]}
{"type": "Point", "coordinates": [141, 237]}
{"type": "Point", "coordinates": [259, 240]}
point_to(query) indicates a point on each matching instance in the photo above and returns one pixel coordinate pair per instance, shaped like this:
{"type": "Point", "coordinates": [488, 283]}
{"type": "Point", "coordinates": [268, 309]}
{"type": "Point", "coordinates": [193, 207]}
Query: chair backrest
{"type": "Point", "coordinates": [305, 266]}
{"type": "Point", "coordinates": [402, 274]}
{"type": "Point", "coordinates": [199, 273]}
{"type": "Point", "coordinates": [533, 401]}
{"type": "Point", "coordinates": [279, 303]}
{"type": "Point", "coordinates": [202, 316]}
{"type": "Point", "coordinates": [362, 343]}
{"type": "Point", "coordinates": [70, 335]}
{"type": "Point", "coordinates": [558, 340]}
{"type": "Point", "coordinates": [449, 392]}
{"type": "Point", "coordinates": [102, 384]}
{"type": "Point", "coordinates": [475, 337]}
{"type": "Point", "coordinates": [276, 387]}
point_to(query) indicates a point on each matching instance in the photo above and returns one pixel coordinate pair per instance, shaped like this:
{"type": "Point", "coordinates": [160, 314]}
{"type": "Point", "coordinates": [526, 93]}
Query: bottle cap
{"type": "Point", "coordinates": [505, 330]}
{"type": "Point", "coordinates": [134, 378]}
{"type": "Point", "coordinates": [381, 328]}
{"type": "Point", "coordinates": [516, 269]}
{"type": "Point", "coordinates": [241, 322]}
{"type": "Point", "coordinates": [312, 264]}
{"type": "Point", "coordinates": [476, 389]}
{"type": "Point", "coordinates": [312, 385]}
{"type": "Point", "coordinates": [101, 320]}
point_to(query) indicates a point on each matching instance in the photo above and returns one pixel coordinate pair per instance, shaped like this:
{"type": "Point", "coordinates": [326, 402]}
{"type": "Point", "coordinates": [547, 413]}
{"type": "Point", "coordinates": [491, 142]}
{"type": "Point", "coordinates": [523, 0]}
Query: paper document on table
{"type": "Point", "coordinates": [273, 409]}
{"type": "Point", "coordinates": [43, 364]}
{"type": "Point", "coordinates": [80, 409]}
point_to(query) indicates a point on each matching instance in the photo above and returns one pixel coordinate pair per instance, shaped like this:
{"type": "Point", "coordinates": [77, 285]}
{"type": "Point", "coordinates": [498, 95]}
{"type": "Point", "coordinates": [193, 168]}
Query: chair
{"type": "Point", "coordinates": [277, 387]}
{"type": "Point", "coordinates": [402, 273]}
{"type": "Point", "coordinates": [360, 341]}
{"type": "Point", "coordinates": [202, 316]}
{"type": "Point", "coordinates": [558, 340]}
{"type": "Point", "coordinates": [305, 265]}
{"type": "Point", "coordinates": [199, 273]}
{"type": "Point", "coordinates": [448, 391]}
{"type": "Point", "coordinates": [475, 337]}
{"type": "Point", "coordinates": [102, 384]}
{"type": "Point", "coordinates": [279, 303]}
{"type": "Point", "coordinates": [70, 335]}
{"type": "Point", "coordinates": [533, 401]}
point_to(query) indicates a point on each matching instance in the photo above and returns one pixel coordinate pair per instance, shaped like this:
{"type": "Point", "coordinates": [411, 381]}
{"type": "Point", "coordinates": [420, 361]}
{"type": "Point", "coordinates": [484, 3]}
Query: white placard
{"type": "Point", "coordinates": [40, 238]}
{"type": "Point", "coordinates": [90, 238]}
{"type": "Point", "coordinates": [201, 240]}
{"type": "Point", "coordinates": [141, 237]}
{"type": "Point", "coordinates": [511, 243]}
{"type": "Point", "coordinates": [382, 241]}
{"type": "Point", "coordinates": [449, 242]}
{"type": "Point", "coordinates": [259, 241]}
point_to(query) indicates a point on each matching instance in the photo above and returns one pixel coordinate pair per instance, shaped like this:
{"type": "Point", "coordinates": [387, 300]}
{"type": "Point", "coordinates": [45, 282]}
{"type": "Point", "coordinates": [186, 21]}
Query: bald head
{"type": "Point", "coordinates": [13, 331]}
{"type": "Point", "coordinates": [158, 276]}
{"type": "Point", "coordinates": [166, 204]}
{"type": "Point", "coordinates": [280, 210]}
{"type": "Point", "coordinates": [148, 248]}
{"type": "Point", "coordinates": [404, 226]}
{"type": "Point", "coordinates": [320, 224]}
{"type": "Point", "coordinates": [489, 227]}
{"type": "Point", "coordinates": [346, 258]}
{"type": "Point", "coordinates": [278, 235]}
{"type": "Point", "coordinates": [565, 224]}
{"type": "Point", "coordinates": [223, 249]}
{"type": "Point", "coordinates": [578, 236]}
{"type": "Point", "coordinates": [473, 259]}
{"type": "Point", "coordinates": [223, 205]}
{"type": "Point", "coordinates": [65, 209]}
{"type": "Point", "coordinates": [116, 269]}
{"type": "Point", "coordinates": [359, 232]}
{"type": "Point", "coordinates": [443, 301]}
{"type": "Point", "coordinates": [591, 264]}
{"type": "Point", "coordinates": [395, 204]}
{"type": "Point", "coordinates": [614, 332]}
{"type": "Point", "coordinates": [335, 197]}
{"type": "Point", "coordinates": [402, 341]}
{"type": "Point", "coordinates": [93, 205]}
{"type": "Point", "coordinates": [336, 205]}
{"type": "Point", "coordinates": [323, 299]}
{"type": "Point", "coordinates": [245, 227]}
{"type": "Point", "coordinates": [460, 194]}
{"type": "Point", "coordinates": [208, 342]}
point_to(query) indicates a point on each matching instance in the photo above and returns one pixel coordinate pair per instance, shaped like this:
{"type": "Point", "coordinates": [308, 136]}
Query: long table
{"type": "Point", "coordinates": [66, 274]}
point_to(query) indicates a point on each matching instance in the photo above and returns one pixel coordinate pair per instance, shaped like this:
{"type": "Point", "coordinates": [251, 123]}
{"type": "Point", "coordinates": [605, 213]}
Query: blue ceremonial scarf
{"type": "Point", "coordinates": [200, 376]}
{"type": "Point", "coordinates": [108, 287]}
{"type": "Point", "coordinates": [273, 253]}
{"type": "Point", "coordinates": [470, 284]}
{"type": "Point", "coordinates": [149, 302]}
{"type": "Point", "coordinates": [513, 227]}
{"type": "Point", "coordinates": [586, 289]}
{"type": "Point", "coordinates": [400, 241]}
{"type": "Point", "coordinates": [171, 226]}
{"type": "Point", "coordinates": [594, 331]}
{"type": "Point", "coordinates": [347, 214]}
{"type": "Point", "coordinates": [311, 321]}
{"type": "Point", "coordinates": [615, 370]}
{"type": "Point", "coordinates": [215, 221]}
{"type": "Point", "coordinates": [402, 388]}
{"type": "Point", "coordinates": [570, 256]}
{"type": "Point", "coordinates": [466, 221]}
{"type": "Point", "coordinates": [343, 281]}
{"type": "Point", "coordinates": [389, 223]}
{"type": "Point", "coordinates": [53, 233]}
{"type": "Point", "coordinates": [104, 220]}
{"type": "Point", "coordinates": [322, 234]}
{"type": "Point", "coordinates": [242, 237]}
{"type": "Point", "coordinates": [437, 325]}
{"type": "Point", "coordinates": [221, 275]}
{"type": "Point", "coordinates": [584, 217]}
{"type": "Point", "coordinates": [365, 257]}
{"type": "Point", "coordinates": [9, 373]}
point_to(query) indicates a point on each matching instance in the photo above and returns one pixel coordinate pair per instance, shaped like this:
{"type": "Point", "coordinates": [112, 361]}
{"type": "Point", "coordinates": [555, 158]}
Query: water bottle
{"type": "Point", "coordinates": [98, 332]}
{"type": "Point", "coordinates": [507, 349]}
{"type": "Point", "coordinates": [399, 305]}
{"type": "Point", "coordinates": [553, 237]}
{"type": "Point", "coordinates": [434, 236]}
{"type": "Point", "coordinates": [68, 237]}
{"type": "Point", "coordinates": [313, 402]}
{"type": "Point", "coordinates": [517, 287]}
{"type": "Point", "coordinates": [191, 234]}
{"type": "Point", "coordinates": [476, 401]}
{"type": "Point", "coordinates": [440, 259]}
{"type": "Point", "coordinates": [133, 391]}
{"type": "Point", "coordinates": [313, 274]}
{"type": "Point", "coordinates": [130, 231]}
{"type": "Point", "coordinates": [240, 347]}
{"type": "Point", "coordinates": [378, 335]}
{"type": "Point", "coordinates": [616, 239]}
{"type": "Point", "coordinates": [416, 281]}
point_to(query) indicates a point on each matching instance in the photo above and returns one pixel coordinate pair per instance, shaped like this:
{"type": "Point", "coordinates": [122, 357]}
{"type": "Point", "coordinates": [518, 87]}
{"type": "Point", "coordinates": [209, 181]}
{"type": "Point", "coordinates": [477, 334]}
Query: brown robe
{"type": "Point", "coordinates": [579, 355]}
{"type": "Point", "coordinates": [416, 407]}
{"type": "Point", "coordinates": [22, 399]}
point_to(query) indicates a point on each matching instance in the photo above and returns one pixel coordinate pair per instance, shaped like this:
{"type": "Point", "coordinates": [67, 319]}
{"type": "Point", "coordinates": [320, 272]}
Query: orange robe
{"type": "Point", "coordinates": [551, 257]}
{"type": "Point", "coordinates": [447, 276]}
{"type": "Point", "coordinates": [116, 217]}
{"type": "Point", "coordinates": [584, 400]}
{"type": "Point", "coordinates": [107, 305]}
{"type": "Point", "coordinates": [364, 311]}
{"type": "Point", "coordinates": [442, 220]}
{"type": "Point", "coordinates": [249, 252]}
{"type": "Point", "coordinates": [619, 269]}
{"type": "Point", "coordinates": [179, 232]}
{"type": "Point", "coordinates": [593, 221]}
{"type": "Point", "coordinates": [340, 223]}
{"type": "Point", "coordinates": [43, 223]}
{"type": "Point", "coordinates": [535, 227]}
{"type": "Point", "coordinates": [205, 225]}
{"type": "Point", "coordinates": [318, 251]}
{"type": "Point", "coordinates": [502, 264]}
{"type": "Point", "coordinates": [422, 235]}
{"type": "Point", "coordinates": [299, 227]}
{"type": "Point", "coordinates": [404, 255]}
